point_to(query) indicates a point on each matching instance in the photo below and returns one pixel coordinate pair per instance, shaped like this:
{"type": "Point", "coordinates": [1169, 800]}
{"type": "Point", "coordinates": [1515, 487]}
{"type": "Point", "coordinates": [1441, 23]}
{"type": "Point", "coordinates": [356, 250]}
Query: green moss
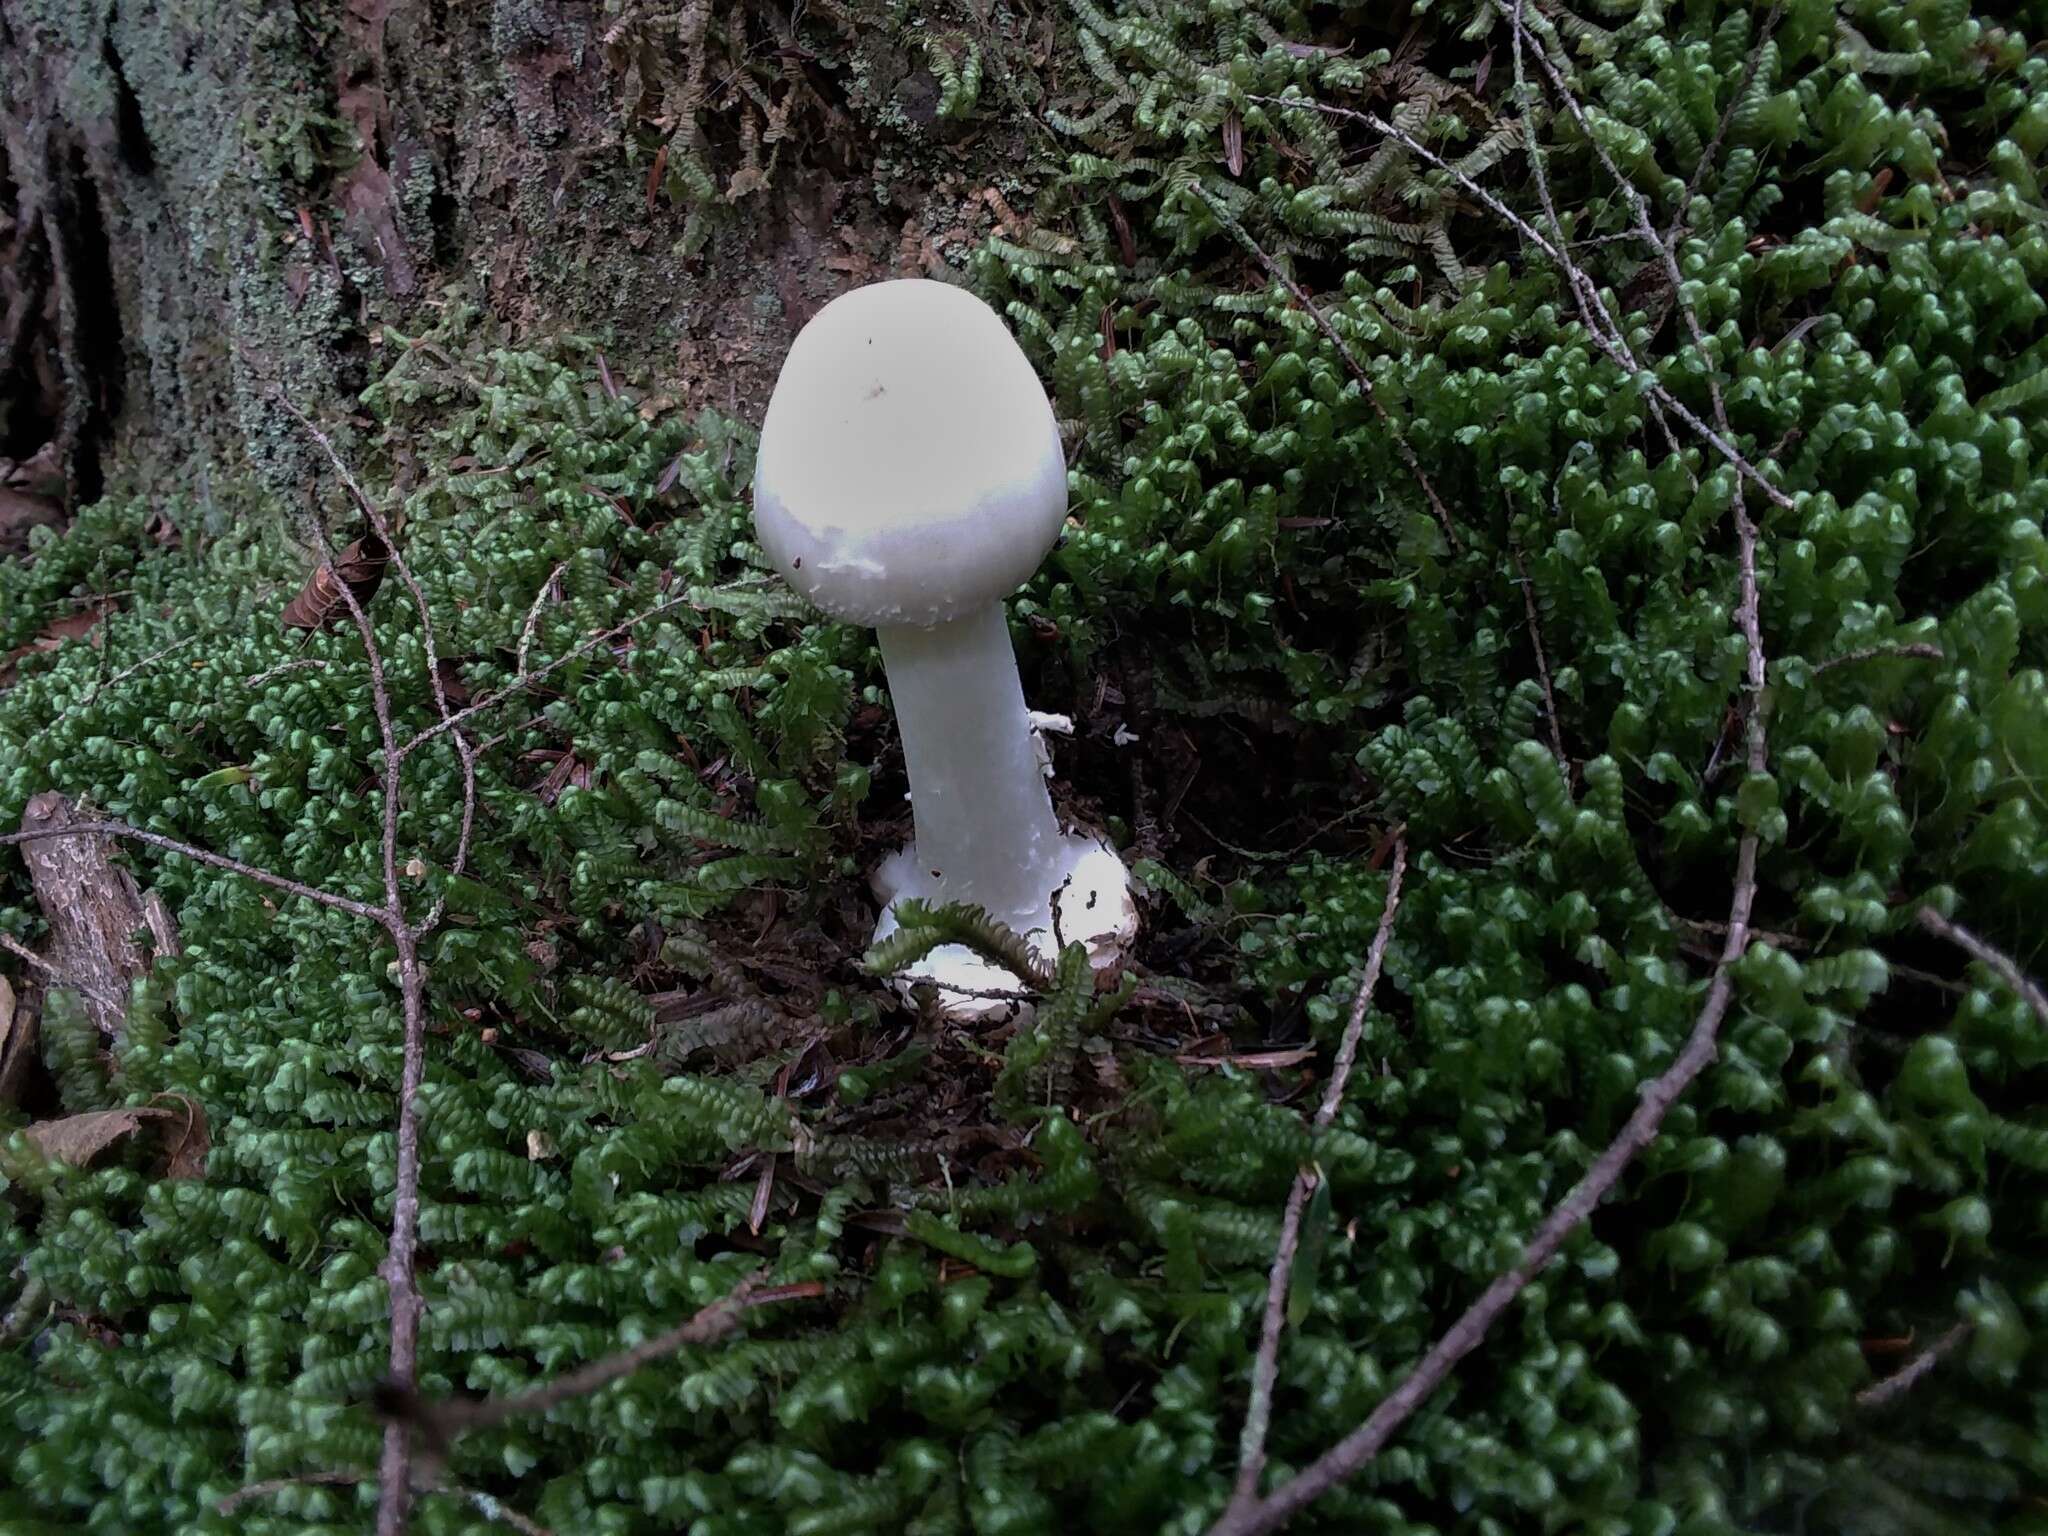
{"type": "Point", "coordinates": [1257, 588]}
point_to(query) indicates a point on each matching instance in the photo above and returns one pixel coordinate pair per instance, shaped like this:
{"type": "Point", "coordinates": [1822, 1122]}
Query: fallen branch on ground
{"type": "Point", "coordinates": [1895, 1386]}
{"type": "Point", "coordinates": [1355, 1450]}
{"type": "Point", "coordinates": [2028, 990]}
{"type": "Point", "coordinates": [490, 1506]}
{"type": "Point", "coordinates": [1350, 360]}
{"type": "Point", "coordinates": [1351, 1453]}
{"type": "Point", "coordinates": [1919, 651]}
{"type": "Point", "coordinates": [396, 1479]}
{"type": "Point", "coordinates": [1266, 1364]}
{"type": "Point", "coordinates": [443, 1421]}
{"type": "Point", "coordinates": [1656, 390]}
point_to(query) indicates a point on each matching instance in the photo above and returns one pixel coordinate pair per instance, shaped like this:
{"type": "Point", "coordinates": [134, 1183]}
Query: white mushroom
{"type": "Point", "coordinates": [910, 476]}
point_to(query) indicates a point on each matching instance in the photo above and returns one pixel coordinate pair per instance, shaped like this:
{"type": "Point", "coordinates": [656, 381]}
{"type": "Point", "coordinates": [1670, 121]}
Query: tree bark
{"type": "Point", "coordinates": [219, 197]}
{"type": "Point", "coordinates": [94, 909]}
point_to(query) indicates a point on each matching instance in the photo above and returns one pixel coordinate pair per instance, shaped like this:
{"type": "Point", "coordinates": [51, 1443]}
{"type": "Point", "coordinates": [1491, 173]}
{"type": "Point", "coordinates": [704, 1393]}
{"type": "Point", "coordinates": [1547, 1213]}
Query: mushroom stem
{"type": "Point", "coordinates": [985, 827]}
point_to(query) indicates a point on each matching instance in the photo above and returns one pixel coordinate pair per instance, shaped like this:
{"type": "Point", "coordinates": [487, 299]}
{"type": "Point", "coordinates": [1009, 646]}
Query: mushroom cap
{"type": "Point", "coordinates": [910, 470]}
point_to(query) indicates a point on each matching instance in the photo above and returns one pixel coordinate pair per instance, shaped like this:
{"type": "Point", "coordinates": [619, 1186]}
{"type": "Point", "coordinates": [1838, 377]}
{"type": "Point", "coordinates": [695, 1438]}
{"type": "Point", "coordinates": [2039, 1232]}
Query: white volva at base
{"type": "Point", "coordinates": [1095, 909]}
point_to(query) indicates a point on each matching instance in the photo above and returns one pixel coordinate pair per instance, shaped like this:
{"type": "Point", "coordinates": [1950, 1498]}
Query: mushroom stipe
{"type": "Point", "coordinates": [911, 477]}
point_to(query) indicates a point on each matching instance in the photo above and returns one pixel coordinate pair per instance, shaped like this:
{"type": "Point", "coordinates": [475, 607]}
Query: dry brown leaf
{"type": "Point", "coordinates": [569, 772]}
{"type": "Point", "coordinates": [452, 683]}
{"type": "Point", "coordinates": [1254, 1061]}
{"type": "Point", "coordinates": [78, 1139]}
{"type": "Point", "coordinates": [1233, 143]}
{"type": "Point", "coordinates": [360, 567]}
{"type": "Point", "coordinates": [73, 626]}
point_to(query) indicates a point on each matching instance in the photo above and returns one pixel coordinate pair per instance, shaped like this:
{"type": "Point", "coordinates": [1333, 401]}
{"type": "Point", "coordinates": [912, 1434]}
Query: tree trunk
{"type": "Point", "coordinates": [214, 199]}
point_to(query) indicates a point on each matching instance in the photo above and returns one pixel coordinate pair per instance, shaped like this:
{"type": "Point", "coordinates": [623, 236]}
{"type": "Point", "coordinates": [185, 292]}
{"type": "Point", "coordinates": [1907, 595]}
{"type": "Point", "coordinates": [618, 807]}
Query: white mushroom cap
{"type": "Point", "coordinates": [910, 469]}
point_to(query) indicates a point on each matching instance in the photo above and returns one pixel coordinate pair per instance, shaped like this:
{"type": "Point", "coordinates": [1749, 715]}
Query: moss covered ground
{"type": "Point", "coordinates": [1388, 513]}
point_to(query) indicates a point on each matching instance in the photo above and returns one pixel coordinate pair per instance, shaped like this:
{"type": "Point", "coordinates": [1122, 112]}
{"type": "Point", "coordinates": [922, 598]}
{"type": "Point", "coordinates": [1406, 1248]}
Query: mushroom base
{"type": "Point", "coordinates": [1095, 908]}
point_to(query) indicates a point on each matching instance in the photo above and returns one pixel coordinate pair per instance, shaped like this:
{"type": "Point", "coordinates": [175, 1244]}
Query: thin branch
{"type": "Point", "coordinates": [1266, 1364]}
{"type": "Point", "coordinates": [1592, 313]}
{"type": "Point", "coordinates": [493, 1508]}
{"type": "Point", "coordinates": [279, 670]}
{"type": "Point", "coordinates": [1542, 661]}
{"type": "Point", "coordinates": [1351, 362]}
{"type": "Point", "coordinates": [1360, 1446]}
{"type": "Point", "coordinates": [394, 1498]}
{"type": "Point", "coordinates": [526, 630]}
{"type": "Point", "coordinates": [270, 1487]}
{"type": "Point", "coordinates": [1919, 650]}
{"type": "Point", "coordinates": [1535, 237]}
{"type": "Point", "coordinates": [119, 678]}
{"type": "Point", "coordinates": [1638, 205]}
{"type": "Point", "coordinates": [488, 1505]}
{"type": "Point", "coordinates": [527, 679]}
{"type": "Point", "coordinates": [446, 1420]}
{"type": "Point", "coordinates": [121, 829]}
{"type": "Point", "coordinates": [1713, 149]}
{"type": "Point", "coordinates": [2029, 991]}
{"type": "Point", "coordinates": [401, 1258]}
{"type": "Point", "coordinates": [380, 707]}
{"type": "Point", "coordinates": [1895, 1386]}
{"type": "Point", "coordinates": [463, 748]}
{"type": "Point", "coordinates": [1365, 1442]}
{"type": "Point", "coordinates": [1375, 959]}
{"type": "Point", "coordinates": [57, 978]}
{"type": "Point", "coordinates": [395, 1472]}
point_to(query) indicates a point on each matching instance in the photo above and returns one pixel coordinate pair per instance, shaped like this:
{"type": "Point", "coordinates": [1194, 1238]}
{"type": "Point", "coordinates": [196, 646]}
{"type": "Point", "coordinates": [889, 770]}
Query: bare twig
{"type": "Point", "coordinates": [1592, 313]}
{"type": "Point", "coordinates": [1638, 205]}
{"type": "Point", "coordinates": [493, 1508]}
{"type": "Point", "coordinates": [1266, 1364]}
{"type": "Point", "coordinates": [122, 830]}
{"type": "Point", "coordinates": [1535, 237]}
{"type": "Point", "coordinates": [1462, 1337]}
{"type": "Point", "coordinates": [1641, 209]}
{"type": "Point", "coordinates": [1542, 661]}
{"type": "Point", "coordinates": [526, 630]}
{"type": "Point", "coordinates": [395, 1474]}
{"type": "Point", "coordinates": [488, 1505]}
{"type": "Point", "coordinates": [1701, 1044]}
{"type": "Point", "coordinates": [710, 1323]}
{"type": "Point", "coordinates": [57, 978]}
{"type": "Point", "coordinates": [396, 1477]}
{"type": "Point", "coordinates": [1350, 359]}
{"type": "Point", "coordinates": [396, 553]}
{"type": "Point", "coordinates": [527, 680]}
{"type": "Point", "coordinates": [1919, 650]}
{"type": "Point", "coordinates": [279, 670]}
{"type": "Point", "coordinates": [400, 1260]}
{"type": "Point", "coordinates": [1895, 1386]}
{"type": "Point", "coordinates": [270, 1487]}
{"type": "Point", "coordinates": [119, 678]}
{"type": "Point", "coordinates": [2028, 990]}
{"type": "Point", "coordinates": [1713, 149]}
